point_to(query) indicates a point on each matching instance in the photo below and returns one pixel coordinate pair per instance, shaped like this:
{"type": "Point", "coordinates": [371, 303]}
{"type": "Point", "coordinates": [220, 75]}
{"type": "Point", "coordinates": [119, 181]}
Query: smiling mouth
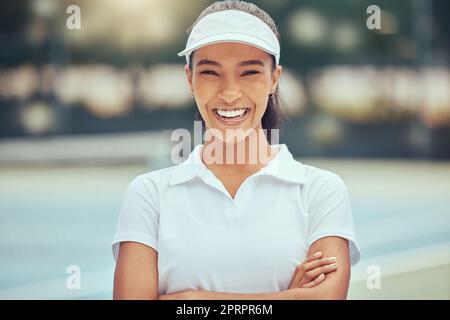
{"type": "Point", "coordinates": [234, 115]}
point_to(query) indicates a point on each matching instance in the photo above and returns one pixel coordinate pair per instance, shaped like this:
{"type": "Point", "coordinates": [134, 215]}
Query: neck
{"type": "Point", "coordinates": [250, 153]}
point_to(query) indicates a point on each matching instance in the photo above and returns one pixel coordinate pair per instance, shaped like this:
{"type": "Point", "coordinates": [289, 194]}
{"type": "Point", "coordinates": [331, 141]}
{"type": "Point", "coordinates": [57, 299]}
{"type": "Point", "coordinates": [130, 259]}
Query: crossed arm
{"type": "Point", "coordinates": [136, 276]}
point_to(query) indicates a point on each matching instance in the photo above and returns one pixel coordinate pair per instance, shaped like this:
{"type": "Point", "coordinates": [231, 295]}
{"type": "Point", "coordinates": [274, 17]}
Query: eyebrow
{"type": "Point", "coordinates": [240, 64]}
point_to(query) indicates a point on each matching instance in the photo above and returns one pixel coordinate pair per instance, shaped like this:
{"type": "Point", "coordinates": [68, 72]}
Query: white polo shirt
{"type": "Point", "coordinates": [206, 240]}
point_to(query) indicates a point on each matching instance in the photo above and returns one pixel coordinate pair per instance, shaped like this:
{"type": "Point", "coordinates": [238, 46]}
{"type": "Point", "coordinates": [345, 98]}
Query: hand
{"type": "Point", "coordinates": [312, 271]}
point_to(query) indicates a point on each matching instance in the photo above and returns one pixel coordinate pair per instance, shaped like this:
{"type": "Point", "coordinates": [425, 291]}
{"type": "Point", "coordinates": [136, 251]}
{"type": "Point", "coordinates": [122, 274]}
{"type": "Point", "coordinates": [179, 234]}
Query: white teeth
{"type": "Point", "coordinates": [231, 114]}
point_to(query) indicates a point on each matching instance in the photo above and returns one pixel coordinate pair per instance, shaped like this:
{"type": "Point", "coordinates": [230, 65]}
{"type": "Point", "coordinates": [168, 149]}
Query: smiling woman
{"type": "Point", "coordinates": [235, 90]}
{"type": "Point", "coordinates": [238, 18]}
{"type": "Point", "coordinates": [257, 226]}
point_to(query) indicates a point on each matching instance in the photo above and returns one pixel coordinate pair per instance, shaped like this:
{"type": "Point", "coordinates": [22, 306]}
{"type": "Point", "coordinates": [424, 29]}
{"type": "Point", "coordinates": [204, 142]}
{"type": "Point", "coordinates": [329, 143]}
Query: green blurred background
{"type": "Point", "coordinates": [84, 111]}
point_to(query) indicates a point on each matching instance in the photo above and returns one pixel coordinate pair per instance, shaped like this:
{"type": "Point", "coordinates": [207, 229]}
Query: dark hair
{"type": "Point", "coordinates": [272, 117]}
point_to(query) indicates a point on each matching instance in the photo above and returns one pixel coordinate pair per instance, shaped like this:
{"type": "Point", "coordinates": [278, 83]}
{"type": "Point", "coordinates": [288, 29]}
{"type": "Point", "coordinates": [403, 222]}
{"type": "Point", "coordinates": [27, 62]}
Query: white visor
{"type": "Point", "coordinates": [232, 26]}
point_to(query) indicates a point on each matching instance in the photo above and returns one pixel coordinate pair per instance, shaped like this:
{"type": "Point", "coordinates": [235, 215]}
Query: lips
{"type": "Point", "coordinates": [231, 116]}
{"type": "Point", "coordinates": [227, 114]}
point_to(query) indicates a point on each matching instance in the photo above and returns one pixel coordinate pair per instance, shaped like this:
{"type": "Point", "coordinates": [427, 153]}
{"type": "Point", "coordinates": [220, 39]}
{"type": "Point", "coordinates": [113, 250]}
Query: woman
{"type": "Point", "coordinates": [239, 218]}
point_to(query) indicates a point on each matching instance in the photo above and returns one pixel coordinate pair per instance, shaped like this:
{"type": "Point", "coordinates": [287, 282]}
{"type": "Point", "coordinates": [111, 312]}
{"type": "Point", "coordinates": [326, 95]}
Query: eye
{"type": "Point", "coordinates": [250, 72]}
{"type": "Point", "coordinates": [209, 72]}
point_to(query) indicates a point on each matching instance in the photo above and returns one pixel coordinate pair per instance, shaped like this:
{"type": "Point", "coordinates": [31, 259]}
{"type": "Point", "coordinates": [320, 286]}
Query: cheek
{"type": "Point", "coordinates": [260, 102]}
{"type": "Point", "coordinates": [260, 97]}
{"type": "Point", "coordinates": [260, 110]}
{"type": "Point", "coordinates": [204, 91]}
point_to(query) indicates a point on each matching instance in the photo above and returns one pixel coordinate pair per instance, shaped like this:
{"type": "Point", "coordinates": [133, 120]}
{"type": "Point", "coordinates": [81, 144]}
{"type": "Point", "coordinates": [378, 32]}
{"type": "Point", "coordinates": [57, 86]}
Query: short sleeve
{"type": "Point", "coordinates": [138, 217]}
{"type": "Point", "coordinates": [330, 214]}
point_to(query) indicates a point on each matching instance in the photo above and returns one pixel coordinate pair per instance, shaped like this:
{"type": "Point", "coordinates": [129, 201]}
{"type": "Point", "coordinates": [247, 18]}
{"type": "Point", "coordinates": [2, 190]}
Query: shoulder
{"type": "Point", "coordinates": [159, 176]}
{"type": "Point", "coordinates": [307, 175]}
{"type": "Point", "coordinates": [321, 183]}
{"type": "Point", "coordinates": [152, 180]}
{"type": "Point", "coordinates": [315, 175]}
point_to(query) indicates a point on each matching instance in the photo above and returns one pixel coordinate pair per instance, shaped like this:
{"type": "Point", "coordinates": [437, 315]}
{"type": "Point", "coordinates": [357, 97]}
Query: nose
{"type": "Point", "coordinates": [230, 91]}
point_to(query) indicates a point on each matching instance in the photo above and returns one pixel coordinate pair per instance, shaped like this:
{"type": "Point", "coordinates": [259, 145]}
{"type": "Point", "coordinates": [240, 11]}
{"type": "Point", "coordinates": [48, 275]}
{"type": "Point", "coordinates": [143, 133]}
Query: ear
{"type": "Point", "coordinates": [276, 75]}
{"type": "Point", "coordinates": [189, 77]}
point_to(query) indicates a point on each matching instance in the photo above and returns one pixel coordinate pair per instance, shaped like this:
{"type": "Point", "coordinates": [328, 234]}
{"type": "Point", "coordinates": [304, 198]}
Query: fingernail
{"type": "Point", "coordinates": [318, 254]}
{"type": "Point", "coordinates": [322, 276]}
{"type": "Point", "coordinates": [334, 265]}
{"type": "Point", "coordinates": [332, 258]}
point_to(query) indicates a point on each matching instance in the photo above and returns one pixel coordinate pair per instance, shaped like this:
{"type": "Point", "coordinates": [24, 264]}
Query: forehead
{"type": "Point", "coordinates": [231, 52]}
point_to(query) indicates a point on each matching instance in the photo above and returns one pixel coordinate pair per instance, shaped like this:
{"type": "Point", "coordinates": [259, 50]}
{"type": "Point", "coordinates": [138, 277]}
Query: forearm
{"type": "Point", "coordinates": [290, 294]}
{"type": "Point", "coordinates": [212, 295]}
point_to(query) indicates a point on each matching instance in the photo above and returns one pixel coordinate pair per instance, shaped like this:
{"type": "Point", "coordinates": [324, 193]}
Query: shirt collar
{"type": "Point", "coordinates": [283, 166]}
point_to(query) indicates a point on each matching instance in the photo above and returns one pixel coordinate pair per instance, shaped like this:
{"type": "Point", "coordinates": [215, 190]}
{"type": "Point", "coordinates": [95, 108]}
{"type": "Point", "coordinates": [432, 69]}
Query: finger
{"type": "Point", "coordinates": [299, 275]}
{"type": "Point", "coordinates": [314, 273]}
{"type": "Point", "coordinates": [315, 282]}
{"type": "Point", "coordinates": [319, 263]}
{"type": "Point", "coordinates": [299, 267]}
{"type": "Point", "coordinates": [313, 257]}
{"type": "Point", "coordinates": [299, 278]}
